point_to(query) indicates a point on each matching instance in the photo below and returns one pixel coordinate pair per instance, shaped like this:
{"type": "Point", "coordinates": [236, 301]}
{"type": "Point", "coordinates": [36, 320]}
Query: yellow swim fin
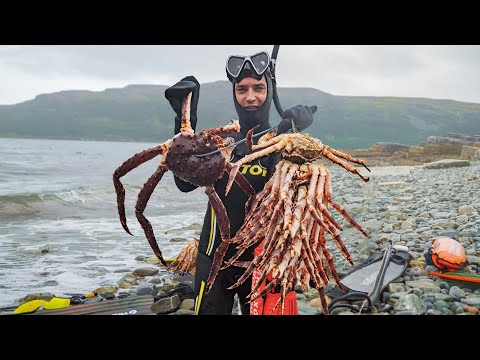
{"type": "Point", "coordinates": [57, 303]}
{"type": "Point", "coordinates": [168, 260]}
{"type": "Point", "coordinates": [30, 306]}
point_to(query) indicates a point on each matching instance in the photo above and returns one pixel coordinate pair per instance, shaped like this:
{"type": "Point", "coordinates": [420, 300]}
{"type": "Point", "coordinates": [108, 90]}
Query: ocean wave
{"type": "Point", "coordinates": [68, 196]}
{"type": "Point", "coordinates": [83, 195]}
{"type": "Point", "coordinates": [71, 196]}
{"type": "Point", "coordinates": [19, 199]}
{"type": "Point", "coordinates": [58, 203]}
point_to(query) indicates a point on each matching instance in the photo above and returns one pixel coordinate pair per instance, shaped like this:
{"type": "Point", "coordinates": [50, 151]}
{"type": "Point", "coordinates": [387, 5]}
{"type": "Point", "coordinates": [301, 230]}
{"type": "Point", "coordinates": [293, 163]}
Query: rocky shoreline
{"type": "Point", "coordinates": [407, 205]}
{"type": "Point", "coordinates": [451, 146]}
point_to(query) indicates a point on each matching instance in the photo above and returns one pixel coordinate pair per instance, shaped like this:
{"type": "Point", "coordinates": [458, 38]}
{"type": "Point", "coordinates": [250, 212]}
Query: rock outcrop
{"type": "Point", "coordinates": [454, 138]}
{"type": "Point", "coordinates": [446, 163]}
{"type": "Point", "coordinates": [452, 146]}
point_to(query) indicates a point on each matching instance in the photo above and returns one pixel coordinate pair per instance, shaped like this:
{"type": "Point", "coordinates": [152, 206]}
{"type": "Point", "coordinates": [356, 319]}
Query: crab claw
{"type": "Point", "coordinates": [125, 227]}
{"type": "Point", "coordinates": [249, 136]}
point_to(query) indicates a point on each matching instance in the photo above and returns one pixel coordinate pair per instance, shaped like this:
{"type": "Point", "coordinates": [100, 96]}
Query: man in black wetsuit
{"type": "Point", "coordinates": [252, 96]}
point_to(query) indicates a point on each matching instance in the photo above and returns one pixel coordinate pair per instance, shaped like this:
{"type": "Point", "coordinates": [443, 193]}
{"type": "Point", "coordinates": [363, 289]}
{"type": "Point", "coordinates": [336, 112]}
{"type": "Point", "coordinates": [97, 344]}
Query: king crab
{"type": "Point", "coordinates": [296, 147]}
{"type": "Point", "coordinates": [290, 217]}
{"type": "Point", "coordinates": [178, 157]}
{"type": "Point", "coordinates": [186, 259]}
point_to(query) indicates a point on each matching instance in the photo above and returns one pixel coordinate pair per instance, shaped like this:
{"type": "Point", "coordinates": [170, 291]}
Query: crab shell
{"type": "Point", "coordinates": [302, 148]}
{"type": "Point", "coordinates": [198, 171]}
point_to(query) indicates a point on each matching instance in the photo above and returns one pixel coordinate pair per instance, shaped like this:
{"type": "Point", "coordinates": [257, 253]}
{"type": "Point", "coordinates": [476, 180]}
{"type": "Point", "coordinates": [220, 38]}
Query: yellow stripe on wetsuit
{"type": "Point", "coordinates": [198, 300]}
{"type": "Point", "coordinates": [213, 230]}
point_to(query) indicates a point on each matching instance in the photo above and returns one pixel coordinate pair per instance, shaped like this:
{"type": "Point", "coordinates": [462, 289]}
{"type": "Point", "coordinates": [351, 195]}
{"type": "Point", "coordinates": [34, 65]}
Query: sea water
{"type": "Point", "coordinates": [59, 226]}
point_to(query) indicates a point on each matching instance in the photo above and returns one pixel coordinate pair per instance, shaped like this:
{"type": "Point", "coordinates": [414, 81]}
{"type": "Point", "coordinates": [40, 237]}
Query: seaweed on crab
{"type": "Point", "coordinates": [178, 157]}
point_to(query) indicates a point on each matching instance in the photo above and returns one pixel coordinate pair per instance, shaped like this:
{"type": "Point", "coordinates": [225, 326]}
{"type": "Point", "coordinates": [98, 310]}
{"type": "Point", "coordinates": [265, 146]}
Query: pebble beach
{"type": "Point", "coordinates": [407, 205]}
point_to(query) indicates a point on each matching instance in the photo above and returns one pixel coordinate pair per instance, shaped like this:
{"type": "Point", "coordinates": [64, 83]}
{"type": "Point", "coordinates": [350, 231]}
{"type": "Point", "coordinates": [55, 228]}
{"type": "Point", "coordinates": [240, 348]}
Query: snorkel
{"type": "Point", "coordinates": [273, 61]}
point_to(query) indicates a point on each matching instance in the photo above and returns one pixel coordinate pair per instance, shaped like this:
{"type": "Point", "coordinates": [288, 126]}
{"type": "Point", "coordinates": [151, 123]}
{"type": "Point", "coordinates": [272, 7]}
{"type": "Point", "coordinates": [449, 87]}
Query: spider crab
{"type": "Point", "coordinates": [290, 215]}
{"type": "Point", "coordinates": [178, 157]}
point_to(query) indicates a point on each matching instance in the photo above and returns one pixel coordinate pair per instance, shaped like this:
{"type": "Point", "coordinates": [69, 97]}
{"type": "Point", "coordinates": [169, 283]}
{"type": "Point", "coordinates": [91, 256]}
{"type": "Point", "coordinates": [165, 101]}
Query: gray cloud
{"type": "Point", "coordinates": [439, 72]}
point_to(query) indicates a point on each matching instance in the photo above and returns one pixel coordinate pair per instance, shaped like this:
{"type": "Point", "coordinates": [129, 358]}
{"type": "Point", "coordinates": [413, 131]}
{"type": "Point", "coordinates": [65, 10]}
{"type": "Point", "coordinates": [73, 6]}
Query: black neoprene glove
{"type": "Point", "coordinates": [302, 117]}
{"type": "Point", "coordinates": [175, 95]}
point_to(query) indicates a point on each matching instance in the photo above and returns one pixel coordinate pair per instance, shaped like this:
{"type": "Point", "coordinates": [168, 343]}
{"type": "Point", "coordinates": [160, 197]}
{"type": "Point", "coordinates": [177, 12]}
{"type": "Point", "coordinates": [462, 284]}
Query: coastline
{"type": "Point", "coordinates": [408, 205]}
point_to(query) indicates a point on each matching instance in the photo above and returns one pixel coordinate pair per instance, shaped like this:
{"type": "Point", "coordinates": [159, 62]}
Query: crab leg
{"type": "Point", "coordinates": [264, 145]}
{"type": "Point", "coordinates": [340, 208]}
{"type": "Point", "coordinates": [317, 251]}
{"type": "Point", "coordinates": [241, 181]}
{"type": "Point", "coordinates": [285, 267]}
{"type": "Point", "coordinates": [346, 156]}
{"type": "Point", "coordinates": [143, 197]}
{"type": "Point", "coordinates": [258, 232]}
{"type": "Point", "coordinates": [344, 213]}
{"type": "Point", "coordinates": [266, 289]}
{"type": "Point", "coordinates": [127, 166]}
{"type": "Point", "coordinates": [342, 163]}
{"type": "Point", "coordinates": [276, 279]}
{"type": "Point", "coordinates": [266, 196]}
{"type": "Point", "coordinates": [272, 242]}
{"type": "Point", "coordinates": [224, 225]}
{"type": "Point", "coordinates": [286, 194]}
{"type": "Point", "coordinates": [327, 190]}
{"type": "Point", "coordinates": [299, 210]}
{"type": "Point", "coordinates": [311, 194]}
{"type": "Point", "coordinates": [255, 236]}
{"type": "Point", "coordinates": [323, 300]}
{"type": "Point", "coordinates": [338, 240]}
{"type": "Point", "coordinates": [259, 260]}
{"type": "Point", "coordinates": [324, 184]}
{"type": "Point", "coordinates": [310, 268]}
{"type": "Point", "coordinates": [280, 145]}
{"type": "Point", "coordinates": [186, 258]}
{"type": "Point", "coordinates": [310, 259]}
{"type": "Point", "coordinates": [329, 258]}
{"type": "Point", "coordinates": [256, 200]}
{"type": "Point", "coordinates": [247, 273]}
{"type": "Point", "coordinates": [253, 221]}
{"type": "Point", "coordinates": [186, 126]}
{"type": "Point", "coordinates": [233, 126]}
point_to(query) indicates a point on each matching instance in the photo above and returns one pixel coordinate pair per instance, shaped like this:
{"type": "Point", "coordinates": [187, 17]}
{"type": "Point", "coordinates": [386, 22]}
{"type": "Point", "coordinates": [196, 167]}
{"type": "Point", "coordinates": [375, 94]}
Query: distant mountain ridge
{"type": "Point", "coordinates": [141, 113]}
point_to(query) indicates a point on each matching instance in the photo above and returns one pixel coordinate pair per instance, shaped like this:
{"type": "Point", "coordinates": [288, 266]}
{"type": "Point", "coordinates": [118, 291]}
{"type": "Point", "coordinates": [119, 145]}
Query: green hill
{"type": "Point", "coordinates": [141, 113]}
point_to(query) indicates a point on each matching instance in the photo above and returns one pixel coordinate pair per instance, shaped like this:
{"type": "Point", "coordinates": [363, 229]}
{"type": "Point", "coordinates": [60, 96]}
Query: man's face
{"type": "Point", "coordinates": [251, 93]}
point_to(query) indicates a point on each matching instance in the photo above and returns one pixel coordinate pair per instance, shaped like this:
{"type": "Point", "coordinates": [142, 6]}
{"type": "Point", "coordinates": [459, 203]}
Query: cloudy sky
{"type": "Point", "coordinates": [436, 71]}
